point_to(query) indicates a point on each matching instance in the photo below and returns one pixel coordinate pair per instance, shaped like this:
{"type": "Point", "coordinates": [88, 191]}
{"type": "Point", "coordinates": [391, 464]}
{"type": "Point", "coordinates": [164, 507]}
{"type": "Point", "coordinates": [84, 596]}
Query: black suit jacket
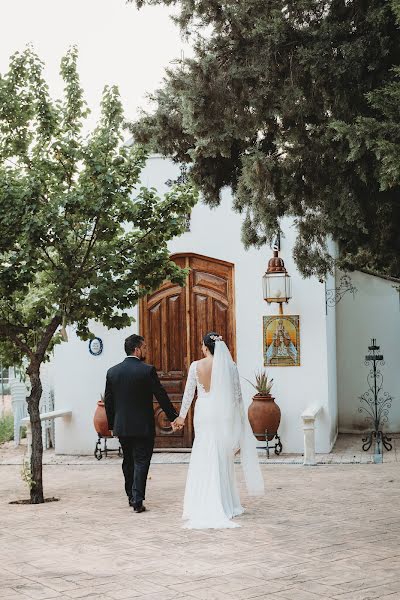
{"type": "Point", "coordinates": [130, 387]}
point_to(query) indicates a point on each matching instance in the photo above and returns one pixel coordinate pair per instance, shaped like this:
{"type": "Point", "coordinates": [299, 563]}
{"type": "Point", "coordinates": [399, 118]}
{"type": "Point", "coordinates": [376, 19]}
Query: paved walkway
{"type": "Point", "coordinates": [347, 450]}
{"type": "Point", "coordinates": [320, 532]}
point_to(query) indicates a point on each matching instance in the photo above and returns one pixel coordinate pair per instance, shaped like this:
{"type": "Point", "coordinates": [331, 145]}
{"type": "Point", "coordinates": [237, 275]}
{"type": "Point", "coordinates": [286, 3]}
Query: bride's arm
{"type": "Point", "coordinates": [188, 394]}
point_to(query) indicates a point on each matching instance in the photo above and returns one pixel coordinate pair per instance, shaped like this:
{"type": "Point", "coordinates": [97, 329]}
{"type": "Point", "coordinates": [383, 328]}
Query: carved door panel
{"type": "Point", "coordinates": [211, 303]}
{"type": "Point", "coordinates": [163, 324]}
{"type": "Point", "coordinates": [173, 321]}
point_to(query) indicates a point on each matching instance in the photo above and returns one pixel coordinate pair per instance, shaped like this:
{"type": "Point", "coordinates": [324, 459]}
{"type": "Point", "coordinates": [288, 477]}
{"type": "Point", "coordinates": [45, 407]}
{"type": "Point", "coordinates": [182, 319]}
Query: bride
{"type": "Point", "coordinates": [221, 429]}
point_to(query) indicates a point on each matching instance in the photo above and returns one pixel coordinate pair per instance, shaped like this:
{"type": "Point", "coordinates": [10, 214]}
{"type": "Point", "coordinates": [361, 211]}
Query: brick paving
{"type": "Point", "coordinates": [329, 532]}
{"type": "Point", "coordinates": [347, 450]}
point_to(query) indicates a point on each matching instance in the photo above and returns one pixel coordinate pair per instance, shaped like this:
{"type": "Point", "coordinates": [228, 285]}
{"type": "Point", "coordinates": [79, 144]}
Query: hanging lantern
{"type": "Point", "coordinates": [277, 286]}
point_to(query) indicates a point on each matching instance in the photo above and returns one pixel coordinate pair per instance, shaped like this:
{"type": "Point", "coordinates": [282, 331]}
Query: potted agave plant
{"type": "Point", "coordinates": [264, 413]}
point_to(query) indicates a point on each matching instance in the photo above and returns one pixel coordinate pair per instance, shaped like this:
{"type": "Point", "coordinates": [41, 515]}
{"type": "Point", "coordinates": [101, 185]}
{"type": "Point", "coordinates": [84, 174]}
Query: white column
{"type": "Point", "coordinates": [309, 417]}
{"type": "Point", "coordinates": [309, 440]}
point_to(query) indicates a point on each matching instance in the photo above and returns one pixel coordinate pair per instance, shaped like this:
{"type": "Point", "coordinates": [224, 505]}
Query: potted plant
{"type": "Point", "coordinates": [264, 413]}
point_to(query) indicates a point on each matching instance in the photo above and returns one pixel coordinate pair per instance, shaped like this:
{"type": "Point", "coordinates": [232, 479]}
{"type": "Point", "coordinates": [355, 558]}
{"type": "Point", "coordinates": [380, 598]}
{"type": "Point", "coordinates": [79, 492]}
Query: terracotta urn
{"type": "Point", "coordinates": [100, 420]}
{"type": "Point", "coordinates": [264, 414]}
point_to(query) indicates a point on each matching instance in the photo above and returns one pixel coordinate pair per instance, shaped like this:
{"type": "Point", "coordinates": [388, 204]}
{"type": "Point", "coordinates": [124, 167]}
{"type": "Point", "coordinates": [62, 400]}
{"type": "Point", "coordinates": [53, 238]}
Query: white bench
{"type": "Point", "coordinates": [309, 416]}
{"type": "Point", "coordinates": [54, 414]}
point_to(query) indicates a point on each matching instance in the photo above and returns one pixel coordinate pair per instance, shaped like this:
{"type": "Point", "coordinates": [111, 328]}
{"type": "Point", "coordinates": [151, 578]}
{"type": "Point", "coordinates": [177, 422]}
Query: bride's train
{"type": "Point", "coordinates": [221, 427]}
{"type": "Point", "coordinates": [211, 496]}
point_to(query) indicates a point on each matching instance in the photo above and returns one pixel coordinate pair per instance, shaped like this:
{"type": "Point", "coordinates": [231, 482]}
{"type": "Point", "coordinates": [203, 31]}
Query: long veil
{"type": "Point", "coordinates": [231, 418]}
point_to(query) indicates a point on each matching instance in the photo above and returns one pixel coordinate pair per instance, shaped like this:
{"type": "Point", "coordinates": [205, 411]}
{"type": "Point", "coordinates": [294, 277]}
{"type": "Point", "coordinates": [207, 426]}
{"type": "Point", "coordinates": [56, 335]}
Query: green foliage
{"type": "Point", "coordinates": [6, 429]}
{"type": "Point", "coordinates": [79, 239]}
{"type": "Point", "coordinates": [296, 108]}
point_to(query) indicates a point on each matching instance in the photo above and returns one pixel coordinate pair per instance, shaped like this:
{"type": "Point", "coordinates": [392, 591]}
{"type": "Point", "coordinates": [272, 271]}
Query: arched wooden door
{"type": "Point", "coordinates": [173, 321]}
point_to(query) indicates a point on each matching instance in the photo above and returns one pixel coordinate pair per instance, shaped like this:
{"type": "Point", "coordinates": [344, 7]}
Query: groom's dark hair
{"type": "Point", "coordinates": [132, 342]}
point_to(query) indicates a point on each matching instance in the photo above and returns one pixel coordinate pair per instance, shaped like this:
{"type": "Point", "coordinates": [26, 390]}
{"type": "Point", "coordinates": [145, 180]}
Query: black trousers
{"type": "Point", "coordinates": [135, 465]}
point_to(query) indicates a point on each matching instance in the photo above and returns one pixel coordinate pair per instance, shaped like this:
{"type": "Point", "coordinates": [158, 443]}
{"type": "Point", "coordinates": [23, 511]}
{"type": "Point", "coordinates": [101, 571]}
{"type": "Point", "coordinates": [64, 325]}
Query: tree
{"type": "Point", "coordinates": [374, 141]}
{"type": "Point", "coordinates": [263, 107]}
{"type": "Point", "coordinates": [79, 240]}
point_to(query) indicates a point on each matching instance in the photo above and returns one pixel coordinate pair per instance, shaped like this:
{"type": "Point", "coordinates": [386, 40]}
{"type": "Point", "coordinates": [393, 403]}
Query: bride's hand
{"type": "Point", "coordinates": [178, 424]}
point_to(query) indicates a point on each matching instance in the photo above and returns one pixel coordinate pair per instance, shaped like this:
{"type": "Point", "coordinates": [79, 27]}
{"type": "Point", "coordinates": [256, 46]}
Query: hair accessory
{"type": "Point", "coordinates": [216, 338]}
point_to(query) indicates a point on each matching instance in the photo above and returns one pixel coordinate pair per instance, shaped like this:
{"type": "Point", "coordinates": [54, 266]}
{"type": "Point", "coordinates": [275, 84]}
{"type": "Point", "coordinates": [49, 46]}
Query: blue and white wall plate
{"type": "Point", "coordinates": [96, 346]}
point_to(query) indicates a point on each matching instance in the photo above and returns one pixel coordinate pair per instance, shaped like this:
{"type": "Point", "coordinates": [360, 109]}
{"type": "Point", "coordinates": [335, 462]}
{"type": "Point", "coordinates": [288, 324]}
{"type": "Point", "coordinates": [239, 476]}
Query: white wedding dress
{"type": "Point", "coordinates": [221, 427]}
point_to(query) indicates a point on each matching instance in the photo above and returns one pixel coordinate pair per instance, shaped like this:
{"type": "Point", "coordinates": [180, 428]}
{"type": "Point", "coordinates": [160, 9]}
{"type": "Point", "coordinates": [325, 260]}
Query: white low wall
{"type": "Point", "coordinates": [374, 313]}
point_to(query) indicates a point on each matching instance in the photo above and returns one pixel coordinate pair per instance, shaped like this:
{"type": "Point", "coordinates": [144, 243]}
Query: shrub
{"type": "Point", "coordinates": [6, 429]}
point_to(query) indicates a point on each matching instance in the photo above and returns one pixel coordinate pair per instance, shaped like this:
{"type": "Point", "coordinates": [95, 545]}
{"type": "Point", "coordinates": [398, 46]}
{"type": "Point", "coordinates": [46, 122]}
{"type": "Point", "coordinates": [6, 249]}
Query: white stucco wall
{"type": "Point", "coordinates": [215, 233]}
{"type": "Point", "coordinates": [374, 313]}
{"type": "Point", "coordinates": [331, 356]}
{"type": "Point", "coordinates": [79, 380]}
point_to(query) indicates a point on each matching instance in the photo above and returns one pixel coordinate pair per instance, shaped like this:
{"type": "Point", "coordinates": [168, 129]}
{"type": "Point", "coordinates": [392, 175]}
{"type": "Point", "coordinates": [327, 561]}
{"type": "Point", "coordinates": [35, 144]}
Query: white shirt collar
{"type": "Point", "coordinates": [131, 356]}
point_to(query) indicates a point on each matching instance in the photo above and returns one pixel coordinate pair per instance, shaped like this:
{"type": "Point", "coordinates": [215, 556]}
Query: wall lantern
{"type": "Point", "coordinates": [277, 285]}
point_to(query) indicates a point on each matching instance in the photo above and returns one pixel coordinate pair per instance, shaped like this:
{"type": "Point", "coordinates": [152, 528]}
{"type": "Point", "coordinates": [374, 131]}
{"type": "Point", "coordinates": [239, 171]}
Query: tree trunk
{"type": "Point", "coordinates": [33, 371]}
{"type": "Point", "coordinates": [37, 443]}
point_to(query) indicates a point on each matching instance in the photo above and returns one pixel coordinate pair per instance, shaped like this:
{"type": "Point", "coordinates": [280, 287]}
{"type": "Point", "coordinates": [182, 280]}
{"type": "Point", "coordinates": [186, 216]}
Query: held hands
{"type": "Point", "coordinates": [178, 424]}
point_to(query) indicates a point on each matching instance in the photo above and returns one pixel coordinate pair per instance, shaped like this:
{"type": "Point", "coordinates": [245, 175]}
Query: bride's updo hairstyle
{"type": "Point", "coordinates": [209, 340]}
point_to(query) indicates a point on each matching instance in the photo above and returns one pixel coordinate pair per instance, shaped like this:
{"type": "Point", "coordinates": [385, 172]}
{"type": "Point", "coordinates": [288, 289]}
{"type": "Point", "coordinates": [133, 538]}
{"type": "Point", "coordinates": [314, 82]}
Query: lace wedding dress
{"type": "Point", "coordinates": [221, 428]}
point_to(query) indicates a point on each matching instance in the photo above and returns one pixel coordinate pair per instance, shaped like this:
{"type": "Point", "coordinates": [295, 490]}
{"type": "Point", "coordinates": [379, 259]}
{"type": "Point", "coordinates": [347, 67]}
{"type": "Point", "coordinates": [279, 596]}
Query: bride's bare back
{"type": "Point", "coordinates": [204, 369]}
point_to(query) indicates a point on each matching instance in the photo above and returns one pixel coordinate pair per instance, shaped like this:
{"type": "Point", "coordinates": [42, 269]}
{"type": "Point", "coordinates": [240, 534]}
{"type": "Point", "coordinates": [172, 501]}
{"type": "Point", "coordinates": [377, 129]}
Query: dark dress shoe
{"type": "Point", "coordinates": [131, 502]}
{"type": "Point", "coordinates": [139, 509]}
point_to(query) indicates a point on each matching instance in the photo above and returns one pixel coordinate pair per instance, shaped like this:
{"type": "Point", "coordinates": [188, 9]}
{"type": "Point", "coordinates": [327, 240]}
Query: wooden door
{"type": "Point", "coordinates": [211, 296]}
{"type": "Point", "coordinates": [173, 320]}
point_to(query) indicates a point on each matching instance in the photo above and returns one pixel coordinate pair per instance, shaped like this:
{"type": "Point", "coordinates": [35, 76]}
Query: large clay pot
{"type": "Point", "coordinates": [264, 414]}
{"type": "Point", "coordinates": [100, 420]}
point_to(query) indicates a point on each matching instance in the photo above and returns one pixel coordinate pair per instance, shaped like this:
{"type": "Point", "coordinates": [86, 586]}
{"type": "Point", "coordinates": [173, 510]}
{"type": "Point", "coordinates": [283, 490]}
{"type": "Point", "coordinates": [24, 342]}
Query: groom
{"type": "Point", "coordinates": [130, 387]}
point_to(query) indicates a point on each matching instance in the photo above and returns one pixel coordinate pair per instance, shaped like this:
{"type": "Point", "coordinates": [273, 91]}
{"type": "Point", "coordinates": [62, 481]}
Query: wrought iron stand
{"type": "Point", "coordinates": [98, 452]}
{"type": "Point", "coordinates": [376, 404]}
{"type": "Point", "coordinates": [277, 448]}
